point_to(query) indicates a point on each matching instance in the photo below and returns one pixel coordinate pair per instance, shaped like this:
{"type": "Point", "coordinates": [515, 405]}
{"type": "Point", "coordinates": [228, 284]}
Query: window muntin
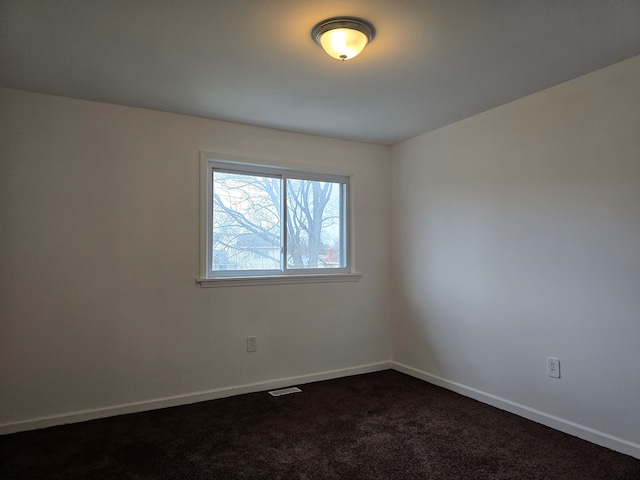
{"type": "Point", "coordinates": [269, 221]}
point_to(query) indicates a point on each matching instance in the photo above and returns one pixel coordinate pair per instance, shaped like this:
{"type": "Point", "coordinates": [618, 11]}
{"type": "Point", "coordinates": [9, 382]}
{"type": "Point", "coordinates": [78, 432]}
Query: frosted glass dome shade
{"type": "Point", "coordinates": [343, 43]}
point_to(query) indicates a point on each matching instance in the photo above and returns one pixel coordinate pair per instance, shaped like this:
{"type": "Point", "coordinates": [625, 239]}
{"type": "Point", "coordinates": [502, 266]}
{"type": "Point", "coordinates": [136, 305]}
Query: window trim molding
{"type": "Point", "coordinates": [278, 280]}
{"type": "Point", "coordinates": [269, 166]}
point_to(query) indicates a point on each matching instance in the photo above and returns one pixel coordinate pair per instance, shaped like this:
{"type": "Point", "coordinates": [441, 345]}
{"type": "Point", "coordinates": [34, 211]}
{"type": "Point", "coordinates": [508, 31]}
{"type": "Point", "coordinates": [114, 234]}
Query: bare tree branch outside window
{"type": "Point", "coordinates": [247, 224]}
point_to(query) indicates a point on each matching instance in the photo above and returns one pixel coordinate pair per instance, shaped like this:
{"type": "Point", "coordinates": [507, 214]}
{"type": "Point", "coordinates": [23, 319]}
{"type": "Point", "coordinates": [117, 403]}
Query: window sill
{"type": "Point", "coordinates": [278, 280]}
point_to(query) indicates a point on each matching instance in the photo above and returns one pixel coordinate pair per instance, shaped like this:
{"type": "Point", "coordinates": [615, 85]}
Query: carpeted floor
{"type": "Point", "coordinates": [382, 425]}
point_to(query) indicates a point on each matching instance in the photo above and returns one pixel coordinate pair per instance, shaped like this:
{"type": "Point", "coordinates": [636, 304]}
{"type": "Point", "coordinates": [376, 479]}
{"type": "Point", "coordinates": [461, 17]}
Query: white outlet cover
{"type": "Point", "coordinates": [553, 367]}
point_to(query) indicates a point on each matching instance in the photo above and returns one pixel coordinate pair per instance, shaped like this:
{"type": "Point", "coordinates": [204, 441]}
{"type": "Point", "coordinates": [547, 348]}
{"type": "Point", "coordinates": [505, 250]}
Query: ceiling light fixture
{"type": "Point", "coordinates": [343, 37]}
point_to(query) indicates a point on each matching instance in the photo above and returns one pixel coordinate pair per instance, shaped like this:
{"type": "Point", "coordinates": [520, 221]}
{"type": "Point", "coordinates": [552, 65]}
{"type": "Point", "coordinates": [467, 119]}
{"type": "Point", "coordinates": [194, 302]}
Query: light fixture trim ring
{"type": "Point", "coordinates": [352, 23]}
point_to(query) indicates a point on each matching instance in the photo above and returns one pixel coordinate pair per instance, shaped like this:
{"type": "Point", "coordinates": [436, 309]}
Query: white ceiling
{"type": "Point", "coordinates": [433, 62]}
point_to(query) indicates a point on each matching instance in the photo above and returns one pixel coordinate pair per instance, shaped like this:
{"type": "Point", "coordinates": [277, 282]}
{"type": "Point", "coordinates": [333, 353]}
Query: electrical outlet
{"type": "Point", "coordinates": [252, 344]}
{"type": "Point", "coordinates": [553, 367]}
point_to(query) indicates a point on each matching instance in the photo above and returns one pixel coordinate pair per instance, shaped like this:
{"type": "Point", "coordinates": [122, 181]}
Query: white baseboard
{"type": "Point", "coordinates": [173, 401]}
{"type": "Point", "coordinates": [557, 423]}
{"type": "Point", "coordinates": [563, 425]}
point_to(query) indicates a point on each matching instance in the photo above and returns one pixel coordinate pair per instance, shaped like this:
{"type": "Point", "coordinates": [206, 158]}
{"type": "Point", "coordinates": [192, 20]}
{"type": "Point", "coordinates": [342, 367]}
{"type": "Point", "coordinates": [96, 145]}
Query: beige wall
{"type": "Point", "coordinates": [99, 255]}
{"type": "Point", "coordinates": [516, 235]}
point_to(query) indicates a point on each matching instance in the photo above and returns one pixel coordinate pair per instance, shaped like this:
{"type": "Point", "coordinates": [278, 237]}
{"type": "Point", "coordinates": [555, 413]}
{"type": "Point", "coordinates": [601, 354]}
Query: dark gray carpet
{"type": "Point", "coordinates": [383, 425]}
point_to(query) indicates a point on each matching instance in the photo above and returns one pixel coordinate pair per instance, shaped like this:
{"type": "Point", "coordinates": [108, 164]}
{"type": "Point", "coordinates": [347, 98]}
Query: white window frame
{"type": "Point", "coordinates": [233, 163]}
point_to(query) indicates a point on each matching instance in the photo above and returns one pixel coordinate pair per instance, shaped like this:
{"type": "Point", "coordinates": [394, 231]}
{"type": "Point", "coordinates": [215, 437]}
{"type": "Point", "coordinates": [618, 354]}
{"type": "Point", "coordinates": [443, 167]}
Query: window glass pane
{"type": "Point", "coordinates": [314, 224]}
{"type": "Point", "coordinates": [246, 222]}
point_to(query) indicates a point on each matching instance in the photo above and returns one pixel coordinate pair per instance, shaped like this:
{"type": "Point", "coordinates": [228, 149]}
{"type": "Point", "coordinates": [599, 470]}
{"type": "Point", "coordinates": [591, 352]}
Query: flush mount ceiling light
{"type": "Point", "coordinates": [343, 37]}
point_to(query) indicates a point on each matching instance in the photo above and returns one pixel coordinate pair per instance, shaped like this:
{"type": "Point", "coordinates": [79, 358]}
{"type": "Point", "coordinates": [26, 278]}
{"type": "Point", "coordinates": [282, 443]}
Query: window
{"type": "Point", "coordinates": [264, 222]}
